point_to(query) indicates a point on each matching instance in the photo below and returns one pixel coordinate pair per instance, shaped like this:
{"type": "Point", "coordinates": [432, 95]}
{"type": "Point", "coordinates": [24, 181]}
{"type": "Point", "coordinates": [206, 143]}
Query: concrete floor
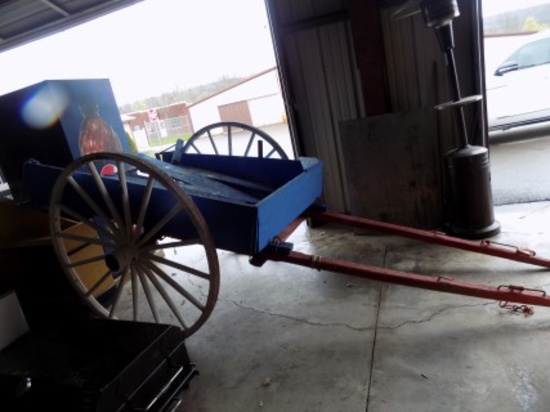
{"type": "Point", "coordinates": [286, 338]}
{"type": "Point", "coordinates": [519, 164]}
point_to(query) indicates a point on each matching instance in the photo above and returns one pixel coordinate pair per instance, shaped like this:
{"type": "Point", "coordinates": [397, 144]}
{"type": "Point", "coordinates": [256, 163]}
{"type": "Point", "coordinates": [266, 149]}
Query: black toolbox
{"type": "Point", "coordinates": [95, 365]}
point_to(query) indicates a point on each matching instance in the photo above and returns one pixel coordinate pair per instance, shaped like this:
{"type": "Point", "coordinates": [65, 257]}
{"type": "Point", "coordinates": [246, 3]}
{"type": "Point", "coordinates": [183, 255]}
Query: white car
{"type": "Point", "coordinates": [518, 92]}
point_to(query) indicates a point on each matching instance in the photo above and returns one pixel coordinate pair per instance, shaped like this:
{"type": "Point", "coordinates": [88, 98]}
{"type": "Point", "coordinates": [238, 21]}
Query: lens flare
{"type": "Point", "coordinates": [45, 106]}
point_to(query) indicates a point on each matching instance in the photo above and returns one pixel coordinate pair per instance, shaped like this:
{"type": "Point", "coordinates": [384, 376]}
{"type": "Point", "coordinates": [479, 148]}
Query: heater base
{"type": "Point", "coordinates": [474, 234]}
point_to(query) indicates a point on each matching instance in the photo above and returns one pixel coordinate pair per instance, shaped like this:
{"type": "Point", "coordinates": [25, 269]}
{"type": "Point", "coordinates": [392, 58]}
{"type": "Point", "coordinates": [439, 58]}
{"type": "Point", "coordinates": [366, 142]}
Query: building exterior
{"type": "Point", "coordinates": [256, 101]}
{"type": "Point", "coordinates": [148, 127]}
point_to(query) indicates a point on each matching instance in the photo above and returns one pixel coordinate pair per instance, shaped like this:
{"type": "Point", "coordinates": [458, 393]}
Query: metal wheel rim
{"type": "Point", "coordinates": [274, 150]}
{"type": "Point", "coordinates": [125, 232]}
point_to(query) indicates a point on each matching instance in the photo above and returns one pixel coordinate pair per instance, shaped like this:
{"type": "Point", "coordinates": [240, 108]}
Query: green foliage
{"type": "Point", "coordinates": [189, 95]}
{"type": "Point", "coordinates": [131, 143]}
{"type": "Point", "coordinates": [520, 19]}
{"type": "Point", "coordinates": [170, 140]}
{"type": "Point", "coordinates": [531, 24]}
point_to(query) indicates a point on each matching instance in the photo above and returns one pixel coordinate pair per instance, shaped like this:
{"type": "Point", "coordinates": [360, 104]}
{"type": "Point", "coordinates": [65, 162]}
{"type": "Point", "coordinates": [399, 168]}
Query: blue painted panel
{"type": "Point", "coordinates": [278, 210]}
{"type": "Point", "coordinates": [50, 120]}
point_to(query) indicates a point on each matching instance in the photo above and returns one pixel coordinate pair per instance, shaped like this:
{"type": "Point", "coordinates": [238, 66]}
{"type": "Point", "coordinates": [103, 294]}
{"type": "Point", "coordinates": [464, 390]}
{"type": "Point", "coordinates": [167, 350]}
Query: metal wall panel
{"type": "Point", "coordinates": [417, 72]}
{"type": "Point", "coordinates": [22, 21]}
{"type": "Point", "coordinates": [415, 66]}
{"type": "Point", "coordinates": [318, 67]}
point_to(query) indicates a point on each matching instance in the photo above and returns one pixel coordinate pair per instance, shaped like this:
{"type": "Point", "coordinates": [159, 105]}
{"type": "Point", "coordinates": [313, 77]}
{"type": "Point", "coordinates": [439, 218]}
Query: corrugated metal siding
{"type": "Point", "coordinates": [417, 72]}
{"type": "Point", "coordinates": [415, 66]}
{"type": "Point", "coordinates": [23, 15]}
{"type": "Point", "coordinates": [471, 66]}
{"type": "Point", "coordinates": [22, 21]}
{"type": "Point", "coordinates": [318, 65]}
{"type": "Point", "coordinates": [418, 79]}
{"type": "Point", "coordinates": [318, 68]}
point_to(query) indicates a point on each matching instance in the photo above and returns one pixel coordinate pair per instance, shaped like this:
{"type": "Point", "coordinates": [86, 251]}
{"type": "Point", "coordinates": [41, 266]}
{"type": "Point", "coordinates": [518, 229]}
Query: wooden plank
{"type": "Point", "coordinates": [366, 29]}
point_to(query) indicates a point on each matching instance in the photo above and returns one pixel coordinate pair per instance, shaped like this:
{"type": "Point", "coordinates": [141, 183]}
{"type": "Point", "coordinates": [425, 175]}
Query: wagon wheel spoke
{"type": "Point", "coordinates": [167, 298]}
{"type": "Point", "coordinates": [85, 239]}
{"type": "Point", "coordinates": [125, 198]}
{"type": "Point", "coordinates": [104, 194]}
{"type": "Point", "coordinates": [236, 139]}
{"type": "Point", "coordinates": [160, 224]}
{"type": "Point", "coordinates": [271, 153]}
{"type": "Point", "coordinates": [82, 262]}
{"type": "Point", "coordinates": [181, 267]}
{"type": "Point", "coordinates": [174, 244]}
{"type": "Point", "coordinates": [145, 200]}
{"type": "Point", "coordinates": [175, 285]}
{"type": "Point", "coordinates": [148, 294]}
{"type": "Point", "coordinates": [118, 295]}
{"type": "Point", "coordinates": [98, 211]}
{"type": "Point", "coordinates": [194, 147]}
{"type": "Point", "coordinates": [249, 144]}
{"type": "Point", "coordinates": [123, 255]}
{"type": "Point", "coordinates": [211, 139]}
{"type": "Point", "coordinates": [106, 276]}
{"type": "Point", "coordinates": [135, 294]}
{"type": "Point", "coordinates": [85, 221]}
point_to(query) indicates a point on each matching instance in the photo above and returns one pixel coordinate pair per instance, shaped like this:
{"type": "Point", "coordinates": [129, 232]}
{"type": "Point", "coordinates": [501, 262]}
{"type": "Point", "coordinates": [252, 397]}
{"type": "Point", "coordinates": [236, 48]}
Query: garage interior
{"type": "Point", "coordinates": [361, 81]}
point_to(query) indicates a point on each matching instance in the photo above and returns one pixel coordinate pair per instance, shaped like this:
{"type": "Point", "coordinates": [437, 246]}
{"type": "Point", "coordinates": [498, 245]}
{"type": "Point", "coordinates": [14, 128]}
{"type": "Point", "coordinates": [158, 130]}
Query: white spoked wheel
{"type": "Point", "coordinates": [234, 139]}
{"type": "Point", "coordinates": [137, 247]}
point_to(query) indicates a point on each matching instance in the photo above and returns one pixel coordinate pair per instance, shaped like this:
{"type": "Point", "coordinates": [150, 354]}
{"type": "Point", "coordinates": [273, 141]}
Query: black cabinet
{"type": "Point", "coordinates": [95, 365]}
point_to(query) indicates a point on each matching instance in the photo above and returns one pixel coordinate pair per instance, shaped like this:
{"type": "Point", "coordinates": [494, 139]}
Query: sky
{"type": "Point", "coordinates": [152, 47]}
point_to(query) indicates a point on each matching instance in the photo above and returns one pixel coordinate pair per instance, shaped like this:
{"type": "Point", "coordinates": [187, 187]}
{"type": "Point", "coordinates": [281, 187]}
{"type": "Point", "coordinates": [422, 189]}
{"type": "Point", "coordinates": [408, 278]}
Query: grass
{"type": "Point", "coordinates": [166, 141]}
{"type": "Point", "coordinates": [170, 140]}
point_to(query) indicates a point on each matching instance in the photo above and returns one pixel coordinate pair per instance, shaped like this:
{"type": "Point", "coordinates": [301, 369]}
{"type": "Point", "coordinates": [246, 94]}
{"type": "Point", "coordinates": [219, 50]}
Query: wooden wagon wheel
{"type": "Point", "coordinates": [218, 139]}
{"type": "Point", "coordinates": [119, 255]}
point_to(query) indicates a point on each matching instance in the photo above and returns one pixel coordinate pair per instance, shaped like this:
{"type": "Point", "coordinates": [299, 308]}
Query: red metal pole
{"type": "Point", "coordinates": [484, 246]}
{"type": "Point", "coordinates": [504, 293]}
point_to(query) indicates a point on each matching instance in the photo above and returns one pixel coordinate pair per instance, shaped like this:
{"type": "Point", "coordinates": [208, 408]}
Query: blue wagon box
{"type": "Point", "coordinates": [55, 122]}
{"type": "Point", "coordinates": [245, 224]}
{"type": "Point", "coordinates": [240, 220]}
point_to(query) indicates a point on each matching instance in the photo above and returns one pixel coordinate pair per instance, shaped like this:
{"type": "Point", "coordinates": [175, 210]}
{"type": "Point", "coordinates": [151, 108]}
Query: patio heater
{"type": "Point", "coordinates": [467, 168]}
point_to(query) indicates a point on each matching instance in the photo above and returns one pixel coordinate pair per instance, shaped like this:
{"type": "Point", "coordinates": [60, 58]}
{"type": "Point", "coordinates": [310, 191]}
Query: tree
{"type": "Point", "coordinates": [531, 24]}
{"type": "Point", "coordinates": [178, 95]}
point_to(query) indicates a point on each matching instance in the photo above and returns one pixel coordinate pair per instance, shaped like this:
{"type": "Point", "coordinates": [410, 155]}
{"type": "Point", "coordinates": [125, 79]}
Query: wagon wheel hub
{"type": "Point", "coordinates": [121, 258]}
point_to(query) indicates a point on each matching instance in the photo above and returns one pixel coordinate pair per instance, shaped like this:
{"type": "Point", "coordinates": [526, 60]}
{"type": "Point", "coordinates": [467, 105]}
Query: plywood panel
{"type": "Point", "coordinates": [393, 168]}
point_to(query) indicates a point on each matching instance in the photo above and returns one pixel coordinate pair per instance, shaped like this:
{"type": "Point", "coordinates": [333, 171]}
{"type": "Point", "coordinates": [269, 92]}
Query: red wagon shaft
{"type": "Point", "coordinates": [485, 247]}
{"type": "Point", "coordinates": [281, 252]}
{"type": "Point", "coordinates": [503, 293]}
